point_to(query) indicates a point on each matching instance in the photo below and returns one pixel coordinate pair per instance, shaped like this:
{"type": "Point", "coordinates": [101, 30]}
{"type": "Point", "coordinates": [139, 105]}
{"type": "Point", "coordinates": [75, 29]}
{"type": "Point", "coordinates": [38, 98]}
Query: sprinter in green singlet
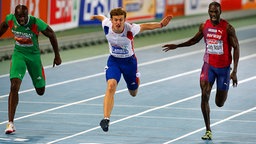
{"type": "Point", "coordinates": [26, 55]}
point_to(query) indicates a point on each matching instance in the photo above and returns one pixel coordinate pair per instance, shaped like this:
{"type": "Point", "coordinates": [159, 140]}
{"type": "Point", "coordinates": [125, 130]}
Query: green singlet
{"type": "Point", "coordinates": [26, 54]}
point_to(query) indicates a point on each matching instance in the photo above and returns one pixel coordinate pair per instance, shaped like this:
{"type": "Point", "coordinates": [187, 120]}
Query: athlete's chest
{"type": "Point", "coordinates": [214, 33]}
{"type": "Point", "coordinates": [215, 39]}
{"type": "Point", "coordinates": [24, 31]}
{"type": "Point", "coordinates": [123, 38]}
{"type": "Point", "coordinates": [217, 32]}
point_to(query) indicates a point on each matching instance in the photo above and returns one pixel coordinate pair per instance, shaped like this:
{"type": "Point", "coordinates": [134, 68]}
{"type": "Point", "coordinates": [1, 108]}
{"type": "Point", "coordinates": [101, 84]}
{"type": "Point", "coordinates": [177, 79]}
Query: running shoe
{"type": "Point", "coordinates": [207, 135]}
{"type": "Point", "coordinates": [104, 124]}
{"type": "Point", "coordinates": [10, 128]}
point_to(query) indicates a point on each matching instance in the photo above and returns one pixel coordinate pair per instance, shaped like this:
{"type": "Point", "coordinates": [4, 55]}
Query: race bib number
{"type": "Point", "coordinates": [214, 47]}
{"type": "Point", "coordinates": [119, 50]}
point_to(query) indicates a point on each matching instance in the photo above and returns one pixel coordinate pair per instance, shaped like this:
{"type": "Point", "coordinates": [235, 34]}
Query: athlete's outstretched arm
{"type": "Point", "coordinates": [236, 52]}
{"type": "Point", "coordinates": [154, 25]}
{"type": "Point", "coordinates": [48, 32]}
{"type": "Point", "coordinates": [199, 35]}
{"type": "Point", "coordinates": [98, 17]}
{"type": "Point", "coordinates": [3, 28]}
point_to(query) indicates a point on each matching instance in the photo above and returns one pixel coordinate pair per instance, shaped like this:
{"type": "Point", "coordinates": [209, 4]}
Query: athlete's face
{"type": "Point", "coordinates": [118, 23]}
{"type": "Point", "coordinates": [214, 13]}
{"type": "Point", "coordinates": [21, 15]}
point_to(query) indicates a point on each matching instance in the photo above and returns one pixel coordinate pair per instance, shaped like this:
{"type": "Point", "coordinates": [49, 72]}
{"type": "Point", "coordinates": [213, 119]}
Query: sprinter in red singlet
{"type": "Point", "coordinates": [220, 37]}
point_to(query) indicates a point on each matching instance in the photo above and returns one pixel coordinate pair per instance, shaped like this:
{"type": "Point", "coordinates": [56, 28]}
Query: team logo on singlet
{"type": "Point", "coordinates": [22, 38]}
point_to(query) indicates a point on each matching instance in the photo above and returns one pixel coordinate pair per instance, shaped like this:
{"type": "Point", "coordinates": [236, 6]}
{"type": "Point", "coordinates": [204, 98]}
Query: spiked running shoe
{"type": "Point", "coordinates": [207, 135]}
{"type": "Point", "coordinates": [104, 124]}
{"type": "Point", "coordinates": [10, 128]}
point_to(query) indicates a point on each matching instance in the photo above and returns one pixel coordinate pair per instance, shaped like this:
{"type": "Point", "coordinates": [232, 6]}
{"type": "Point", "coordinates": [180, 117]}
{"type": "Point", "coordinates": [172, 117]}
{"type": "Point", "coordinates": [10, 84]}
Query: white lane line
{"type": "Point", "coordinates": [142, 64]}
{"type": "Point", "coordinates": [214, 124]}
{"type": "Point", "coordinates": [100, 74]}
{"type": "Point", "coordinates": [157, 108]}
{"type": "Point", "coordinates": [10, 140]}
{"type": "Point", "coordinates": [100, 96]}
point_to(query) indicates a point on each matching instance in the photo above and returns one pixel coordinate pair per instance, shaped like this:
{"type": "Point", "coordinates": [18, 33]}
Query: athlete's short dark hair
{"type": "Point", "coordinates": [117, 12]}
{"type": "Point", "coordinates": [215, 4]}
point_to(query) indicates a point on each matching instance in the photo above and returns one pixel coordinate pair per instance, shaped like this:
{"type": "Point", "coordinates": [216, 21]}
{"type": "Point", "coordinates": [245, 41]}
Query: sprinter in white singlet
{"type": "Point", "coordinates": [122, 59]}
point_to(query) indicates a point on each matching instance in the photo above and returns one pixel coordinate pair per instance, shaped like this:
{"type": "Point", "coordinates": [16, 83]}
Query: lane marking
{"type": "Point", "coordinates": [100, 96]}
{"type": "Point", "coordinates": [250, 56]}
{"type": "Point", "coordinates": [214, 124]}
{"type": "Point", "coordinates": [142, 64]}
{"type": "Point", "coordinates": [157, 108]}
{"type": "Point", "coordinates": [102, 73]}
{"type": "Point", "coordinates": [14, 139]}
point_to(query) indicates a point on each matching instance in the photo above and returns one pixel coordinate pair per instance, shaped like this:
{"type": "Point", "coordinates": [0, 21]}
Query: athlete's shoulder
{"type": "Point", "coordinates": [130, 25]}
{"type": "Point", "coordinates": [208, 22]}
{"type": "Point", "coordinates": [106, 22]}
{"type": "Point", "coordinates": [204, 24]}
{"type": "Point", "coordinates": [33, 19]}
{"type": "Point", "coordinates": [224, 20]}
{"type": "Point", "coordinates": [37, 22]}
{"type": "Point", "coordinates": [10, 17]}
{"type": "Point", "coordinates": [224, 23]}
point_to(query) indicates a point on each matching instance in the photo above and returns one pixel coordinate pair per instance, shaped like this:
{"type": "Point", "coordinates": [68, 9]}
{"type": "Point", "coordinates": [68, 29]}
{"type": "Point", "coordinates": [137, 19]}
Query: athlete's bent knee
{"type": "Point", "coordinates": [112, 84]}
{"type": "Point", "coordinates": [220, 104]}
{"type": "Point", "coordinates": [133, 93]}
{"type": "Point", "coordinates": [40, 91]}
{"type": "Point", "coordinates": [221, 97]}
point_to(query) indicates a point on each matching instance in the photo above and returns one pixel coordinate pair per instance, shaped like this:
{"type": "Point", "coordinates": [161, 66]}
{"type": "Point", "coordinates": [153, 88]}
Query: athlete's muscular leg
{"type": "Point", "coordinates": [134, 92]}
{"type": "Point", "coordinates": [206, 91]}
{"type": "Point", "coordinates": [40, 91]}
{"type": "Point", "coordinates": [109, 97]}
{"type": "Point", "coordinates": [221, 97]}
{"type": "Point", "coordinates": [13, 98]}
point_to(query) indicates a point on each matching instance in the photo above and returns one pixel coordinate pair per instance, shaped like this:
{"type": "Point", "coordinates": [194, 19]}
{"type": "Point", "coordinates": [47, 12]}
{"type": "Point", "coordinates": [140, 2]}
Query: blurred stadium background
{"type": "Point", "coordinates": [75, 31]}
